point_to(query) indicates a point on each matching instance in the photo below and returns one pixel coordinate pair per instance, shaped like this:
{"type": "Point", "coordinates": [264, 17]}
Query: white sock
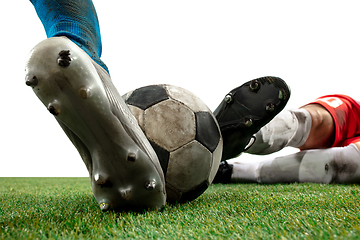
{"type": "Point", "coordinates": [288, 128]}
{"type": "Point", "coordinates": [244, 172]}
{"type": "Point", "coordinates": [331, 165]}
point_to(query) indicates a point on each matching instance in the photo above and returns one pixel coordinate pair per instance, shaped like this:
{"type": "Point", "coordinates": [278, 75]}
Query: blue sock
{"type": "Point", "coordinates": [77, 20]}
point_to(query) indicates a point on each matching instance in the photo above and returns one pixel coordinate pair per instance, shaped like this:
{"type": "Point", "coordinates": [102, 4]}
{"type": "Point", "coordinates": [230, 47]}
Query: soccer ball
{"type": "Point", "coordinates": [185, 135]}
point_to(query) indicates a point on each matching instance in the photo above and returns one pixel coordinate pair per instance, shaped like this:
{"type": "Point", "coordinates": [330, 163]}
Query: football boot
{"type": "Point", "coordinates": [224, 173]}
{"type": "Point", "coordinates": [124, 170]}
{"type": "Point", "coordinates": [246, 109]}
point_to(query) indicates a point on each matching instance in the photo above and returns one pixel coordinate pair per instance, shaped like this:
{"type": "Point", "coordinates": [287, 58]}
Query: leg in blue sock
{"type": "Point", "coordinates": [77, 20]}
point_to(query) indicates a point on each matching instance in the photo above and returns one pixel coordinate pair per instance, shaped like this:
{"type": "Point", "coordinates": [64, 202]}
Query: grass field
{"type": "Point", "coordinates": [64, 208]}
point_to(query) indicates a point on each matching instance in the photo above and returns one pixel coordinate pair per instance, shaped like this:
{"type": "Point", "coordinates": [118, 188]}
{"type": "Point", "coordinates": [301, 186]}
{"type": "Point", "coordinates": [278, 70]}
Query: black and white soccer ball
{"type": "Point", "coordinates": [185, 135]}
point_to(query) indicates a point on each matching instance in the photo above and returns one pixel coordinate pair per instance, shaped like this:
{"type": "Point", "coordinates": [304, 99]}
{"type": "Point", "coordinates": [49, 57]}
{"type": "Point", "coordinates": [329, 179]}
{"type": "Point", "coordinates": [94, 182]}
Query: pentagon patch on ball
{"type": "Point", "coordinates": [185, 135]}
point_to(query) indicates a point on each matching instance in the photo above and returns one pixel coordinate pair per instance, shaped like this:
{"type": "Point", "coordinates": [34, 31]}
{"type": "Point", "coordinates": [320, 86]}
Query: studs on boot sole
{"type": "Point", "coordinates": [104, 206]}
{"type": "Point", "coordinates": [281, 95]}
{"type": "Point", "coordinates": [64, 58]}
{"type": "Point", "coordinates": [125, 194]}
{"type": "Point", "coordinates": [101, 179]}
{"type": "Point", "coordinates": [84, 92]}
{"type": "Point", "coordinates": [248, 122]}
{"type": "Point", "coordinates": [54, 109]}
{"type": "Point", "coordinates": [32, 81]}
{"type": "Point", "coordinates": [228, 98]}
{"type": "Point", "coordinates": [270, 107]}
{"type": "Point", "coordinates": [131, 157]}
{"type": "Point", "coordinates": [150, 185]}
{"type": "Point", "coordinates": [254, 86]}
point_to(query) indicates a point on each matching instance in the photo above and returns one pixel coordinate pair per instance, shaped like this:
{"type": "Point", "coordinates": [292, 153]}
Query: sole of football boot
{"type": "Point", "coordinates": [246, 109]}
{"type": "Point", "coordinates": [124, 169]}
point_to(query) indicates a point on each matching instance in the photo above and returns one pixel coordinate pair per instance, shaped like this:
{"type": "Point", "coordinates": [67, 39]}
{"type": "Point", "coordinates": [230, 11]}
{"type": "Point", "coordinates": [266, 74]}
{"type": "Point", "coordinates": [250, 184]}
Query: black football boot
{"type": "Point", "coordinates": [224, 172]}
{"type": "Point", "coordinates": [248, 108]}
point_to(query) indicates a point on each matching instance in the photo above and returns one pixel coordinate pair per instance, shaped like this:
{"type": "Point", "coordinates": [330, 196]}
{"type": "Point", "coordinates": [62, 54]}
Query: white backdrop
{"type": "Point", "coordinates": [208, 47]}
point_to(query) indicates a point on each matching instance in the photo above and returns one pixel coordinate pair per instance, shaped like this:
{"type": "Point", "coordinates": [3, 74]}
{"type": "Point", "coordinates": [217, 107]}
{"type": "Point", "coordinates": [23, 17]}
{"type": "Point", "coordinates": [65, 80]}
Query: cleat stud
{"type": "Point", "coordinates": [84, 92]}
{"type": "Point", "coordinates": [281, 95]}
{"type": "Point", "coordinates": [64, 58]}
{"type": "Point", "coordinates": [248, 122]}
{"type": "Point", "coordinates": [125, 194]}
{"type": "Point", "coordinates": [104, 206]}
{"type": "Point", "coordinates": [150, 185]}
{"type": "Point", "coordinates": [53, 109]}
{"type": "Point", "coordinates": [100, 179]}
{"type": "Point", "coordinates": [270, 107]}
{"type": "Point", "coordinates": [228, 98]}
{"type": "Point", "coordinates": [254, 86]}
{"type": "Point", "coordinates": [32, 82]}
{"type": "Point", "coordinates": [131, 157]}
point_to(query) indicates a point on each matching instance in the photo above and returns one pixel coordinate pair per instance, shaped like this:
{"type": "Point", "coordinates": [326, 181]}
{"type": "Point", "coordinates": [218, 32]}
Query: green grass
{"type": "Point", "coordinates": [65, 208]}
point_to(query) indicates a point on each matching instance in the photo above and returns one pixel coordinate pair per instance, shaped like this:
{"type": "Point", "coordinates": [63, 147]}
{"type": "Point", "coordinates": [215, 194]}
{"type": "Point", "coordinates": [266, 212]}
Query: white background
{"type": "Point", "coordinates": [208, 47]}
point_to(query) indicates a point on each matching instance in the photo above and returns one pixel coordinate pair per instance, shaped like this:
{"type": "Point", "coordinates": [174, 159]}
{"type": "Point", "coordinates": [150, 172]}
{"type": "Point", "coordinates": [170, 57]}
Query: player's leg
{"type": "Point", "coordinates": [288, 128]}
{"type": "Point", "coordinates": [333, 121]}
{"type": "Point", "coordinates": [296, 128]}
{"type": "Point", "coordinates": [357, 144]}
{"type": "Point", "coordinates": [309, 127]}
{"type": "Point", "coordinates": [76, 20]}
{"type": "Point", "coordinates": [322, 132]}
{"type": "Point", "coordinates": [66, 74]}
{"type": "Point", "coordinates": [246, 109]}
{"type": "Point", "coordinates": [332, 165]}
